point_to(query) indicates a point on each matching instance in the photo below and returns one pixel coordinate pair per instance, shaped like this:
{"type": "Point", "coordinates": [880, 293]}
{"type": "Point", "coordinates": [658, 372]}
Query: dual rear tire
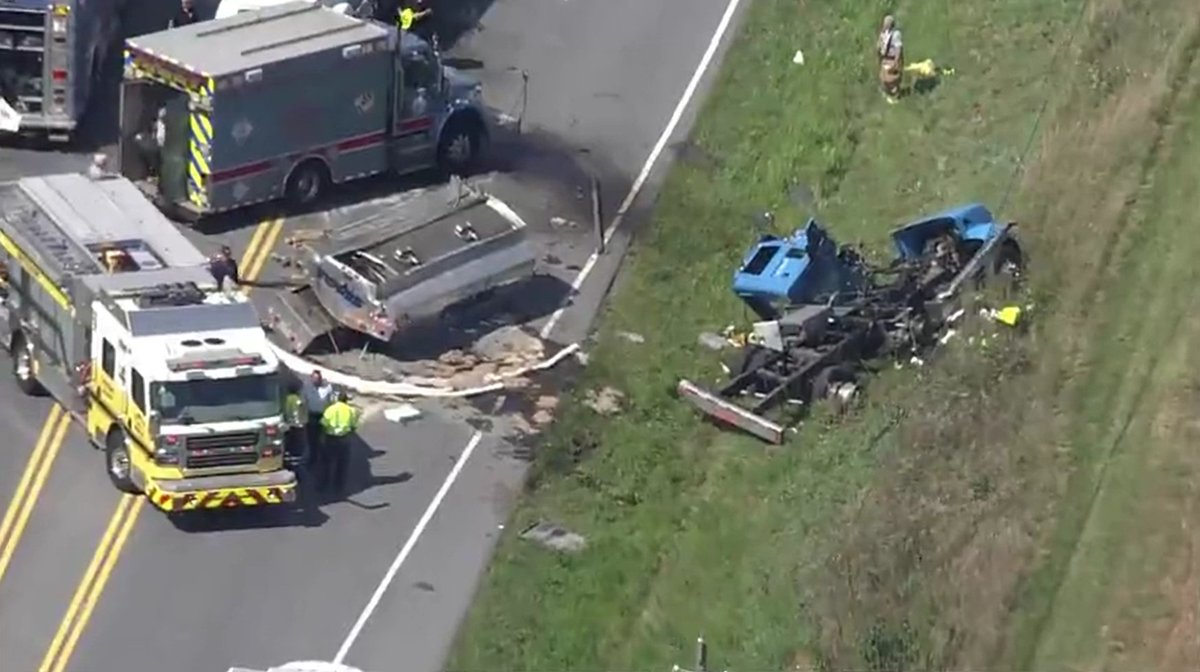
{"type": "Point", "coordinates": [458, 151]}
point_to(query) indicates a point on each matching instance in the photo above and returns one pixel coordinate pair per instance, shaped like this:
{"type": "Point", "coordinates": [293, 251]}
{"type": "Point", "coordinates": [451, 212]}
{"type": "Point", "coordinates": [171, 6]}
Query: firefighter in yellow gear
{"type": "Point", "coordinates": [338, 423]}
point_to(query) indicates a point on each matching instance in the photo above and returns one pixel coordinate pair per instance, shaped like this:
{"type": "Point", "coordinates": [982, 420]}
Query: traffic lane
{"type": "Point", "coordinates": [22, 417]}
{"type": "Point", "coordinates": [257, 588]}
{"type": "Point", "coordinates": [611, 91]}
{"type": "Point", "coordinates": [55, 548]}
{"type": "Point", "coordinates": [417, 618]}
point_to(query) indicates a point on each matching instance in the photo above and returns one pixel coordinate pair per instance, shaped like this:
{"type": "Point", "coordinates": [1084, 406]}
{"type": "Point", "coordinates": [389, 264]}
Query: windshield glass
{"type": "Point", "coordinates": [224, 400]}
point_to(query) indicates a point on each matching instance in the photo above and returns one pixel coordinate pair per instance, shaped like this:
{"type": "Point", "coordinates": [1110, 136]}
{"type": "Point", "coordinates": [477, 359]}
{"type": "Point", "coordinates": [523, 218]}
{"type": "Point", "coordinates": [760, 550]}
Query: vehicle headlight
{"type": "Point", "coordinates": [167, 450]}
{"type": "Point", "coordinates": [58, 25]}
{"type": "Point", "coordinates": [476, 95]}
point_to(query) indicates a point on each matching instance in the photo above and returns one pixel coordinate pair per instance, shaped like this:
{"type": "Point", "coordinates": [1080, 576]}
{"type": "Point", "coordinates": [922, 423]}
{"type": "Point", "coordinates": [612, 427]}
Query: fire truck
{"type": "Point", "coordinates": [111, 311]}
{"type": "Point", "coordinates": [285, 101]}
{"type": "Point", "coordinates": [51, 54]}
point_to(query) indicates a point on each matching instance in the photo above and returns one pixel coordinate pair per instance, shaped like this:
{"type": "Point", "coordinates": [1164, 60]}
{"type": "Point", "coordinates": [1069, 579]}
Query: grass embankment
{"type": "Point", "coordinates": [1023, 507]}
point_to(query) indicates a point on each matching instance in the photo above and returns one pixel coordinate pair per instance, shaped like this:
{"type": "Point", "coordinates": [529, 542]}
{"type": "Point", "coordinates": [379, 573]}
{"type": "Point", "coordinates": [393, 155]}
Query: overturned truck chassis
{"type": "Point", "coordinates": [815, 352]}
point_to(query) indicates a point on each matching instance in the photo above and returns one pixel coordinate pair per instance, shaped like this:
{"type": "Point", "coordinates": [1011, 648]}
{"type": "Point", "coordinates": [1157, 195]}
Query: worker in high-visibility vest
{"type": "Point", "coordinates": [408, 16]}
{"type": "Point", "coordinates": [338, 423]}
{"type": "Point", "coordinates": [295, 414]}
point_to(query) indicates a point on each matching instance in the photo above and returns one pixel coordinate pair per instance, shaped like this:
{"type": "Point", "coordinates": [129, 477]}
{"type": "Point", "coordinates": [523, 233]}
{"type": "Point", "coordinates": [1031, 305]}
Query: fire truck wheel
{"type": "Point", "coordinates": [459, 146]}
{"type": "Point", "coordinates": [24, 363]}
{"type": "Point", "coordinates": [118, 463]}
{"type": "Point", "coordinates": [307, 183]}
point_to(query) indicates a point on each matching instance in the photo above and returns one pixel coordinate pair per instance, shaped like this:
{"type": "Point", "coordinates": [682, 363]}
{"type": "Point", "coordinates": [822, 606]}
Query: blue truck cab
{"type": "Point", "coordinates": [808, 267]}
{"type": "Point", "coordinates": [51, 55]}
{"type": "Point", "coordinates": [802, 268]}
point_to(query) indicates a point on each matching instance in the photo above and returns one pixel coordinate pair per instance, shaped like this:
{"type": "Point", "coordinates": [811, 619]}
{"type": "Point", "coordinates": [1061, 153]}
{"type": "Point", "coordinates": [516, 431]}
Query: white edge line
{"type": "Point", "coordinates": [407, 549]}
{"type": "Point", "coordinates": [651, 160]}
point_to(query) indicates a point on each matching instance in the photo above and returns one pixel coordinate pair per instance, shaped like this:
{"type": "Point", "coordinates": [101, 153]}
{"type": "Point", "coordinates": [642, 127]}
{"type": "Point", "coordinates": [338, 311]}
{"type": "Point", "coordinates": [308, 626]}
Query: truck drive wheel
{"type": "Point", "coordinates": [459, 147]}
{"type": "Point", "coordinates": [306, 184]}
{"type": "Point", "coordinates": [24, 365]}
{"type": "Point", "coordinates": [836, 383]}
{"type": "Point", "coordinates": [118, 463]}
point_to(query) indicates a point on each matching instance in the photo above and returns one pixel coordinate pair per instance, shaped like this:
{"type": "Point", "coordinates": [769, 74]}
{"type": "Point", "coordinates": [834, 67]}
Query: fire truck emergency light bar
{"type": "Point", "coordinates": [214, 363]}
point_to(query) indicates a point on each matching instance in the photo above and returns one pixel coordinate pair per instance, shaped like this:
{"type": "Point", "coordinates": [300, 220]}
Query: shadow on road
{"type": "Point", "coordinates": [306, 511]}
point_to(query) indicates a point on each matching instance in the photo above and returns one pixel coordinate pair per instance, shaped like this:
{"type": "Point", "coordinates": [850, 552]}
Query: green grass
{"type": "Point", "coordinates": [941, 526]}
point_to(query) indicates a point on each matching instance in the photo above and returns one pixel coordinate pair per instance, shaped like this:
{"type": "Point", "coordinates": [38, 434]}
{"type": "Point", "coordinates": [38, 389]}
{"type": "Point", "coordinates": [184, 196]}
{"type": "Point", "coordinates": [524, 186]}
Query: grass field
{"type": "Point", "coordinates": [1024, 507]}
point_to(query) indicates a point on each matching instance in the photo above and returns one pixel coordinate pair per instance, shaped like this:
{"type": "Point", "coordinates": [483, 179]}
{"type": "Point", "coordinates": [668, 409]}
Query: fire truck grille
{"type": "Point", "coordinates": [235, 449]}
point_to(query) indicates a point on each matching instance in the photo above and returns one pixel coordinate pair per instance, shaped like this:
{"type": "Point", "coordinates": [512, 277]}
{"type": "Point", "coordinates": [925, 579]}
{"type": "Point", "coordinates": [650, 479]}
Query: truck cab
{"type": "Point", "coordinates": [192, 405]}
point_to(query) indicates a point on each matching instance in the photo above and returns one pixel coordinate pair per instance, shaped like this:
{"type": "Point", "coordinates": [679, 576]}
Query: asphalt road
{"type": "Point", "coordinates": [263, 587]}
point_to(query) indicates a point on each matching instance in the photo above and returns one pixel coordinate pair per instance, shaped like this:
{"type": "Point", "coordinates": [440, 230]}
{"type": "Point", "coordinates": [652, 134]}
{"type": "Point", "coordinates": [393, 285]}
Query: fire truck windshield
{"type": "Point", "coordinates": [217, 400]}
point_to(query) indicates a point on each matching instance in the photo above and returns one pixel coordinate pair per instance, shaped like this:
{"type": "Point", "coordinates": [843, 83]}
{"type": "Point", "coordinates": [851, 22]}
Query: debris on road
{"type": "Point", "coordinates": [402, 413]}
{"type": "Point", "coordinates": [562, 222]}
{"type": "Point", "coordinates": [409, 386]}
{"type": "Point", "coordinates": [554, 537]}
{"type": "Point", "coordinates": [605, 401]}
{"type": "Point", "coordinates": [544, 413]}
{"type": "Point", "coordinates": [798, 58]}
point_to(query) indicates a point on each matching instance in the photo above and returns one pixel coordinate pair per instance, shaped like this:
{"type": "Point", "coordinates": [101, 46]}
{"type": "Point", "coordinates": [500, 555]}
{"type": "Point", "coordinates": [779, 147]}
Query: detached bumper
{"type": "Point", "coordinates": [223, 492]}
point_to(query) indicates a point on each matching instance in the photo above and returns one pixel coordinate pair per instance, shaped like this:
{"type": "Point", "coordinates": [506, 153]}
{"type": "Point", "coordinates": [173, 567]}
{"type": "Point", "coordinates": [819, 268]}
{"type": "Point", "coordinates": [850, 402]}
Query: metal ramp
{"type": "Point", "coordinates": [298, 318]}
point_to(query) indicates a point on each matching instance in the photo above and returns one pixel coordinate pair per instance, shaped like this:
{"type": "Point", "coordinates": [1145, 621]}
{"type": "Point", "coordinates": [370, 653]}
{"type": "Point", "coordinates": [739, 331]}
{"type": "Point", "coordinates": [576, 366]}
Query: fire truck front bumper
{"type": "Point", "coordinates": [223, 492]}
{"type": "Point", "coordinates": [59, 123]}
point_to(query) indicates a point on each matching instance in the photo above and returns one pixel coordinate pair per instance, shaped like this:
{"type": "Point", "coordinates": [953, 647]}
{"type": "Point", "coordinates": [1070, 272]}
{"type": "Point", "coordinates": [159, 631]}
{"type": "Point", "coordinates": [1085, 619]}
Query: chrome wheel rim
{"type": "Point", "coordinates": [309, 184]}
{"type": "Point", "coordinates": [25, 364]}
{"type": "Point", "coordinates": [459, 150]}
{"type": "Point", "coordinates": [119, 463]}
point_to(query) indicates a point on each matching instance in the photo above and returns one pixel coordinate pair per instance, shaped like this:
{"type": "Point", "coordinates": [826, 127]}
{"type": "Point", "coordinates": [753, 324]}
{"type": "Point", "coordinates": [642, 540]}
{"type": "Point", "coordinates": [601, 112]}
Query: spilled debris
{"type": "Point", "coordinates": [605, 401]}
{"type": "Point", "coordinates": [554, 537]}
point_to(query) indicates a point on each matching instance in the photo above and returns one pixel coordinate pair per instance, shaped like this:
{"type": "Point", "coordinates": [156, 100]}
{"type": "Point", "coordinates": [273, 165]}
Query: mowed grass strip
{"type": "Point", "coordinates": [907, 535]}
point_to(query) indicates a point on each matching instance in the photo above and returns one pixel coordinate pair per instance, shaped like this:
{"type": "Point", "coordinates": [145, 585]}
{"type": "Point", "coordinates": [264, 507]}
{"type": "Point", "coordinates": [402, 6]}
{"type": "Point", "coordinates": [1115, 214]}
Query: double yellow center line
{"type": "Point", "coordinates": [258, 252]}
{"type": "Point", "coordinates": [16, 517]}
{"type": "Point", "coordinates": [87, 595]}
{"type": "Point", "coordinates": [129, 507]}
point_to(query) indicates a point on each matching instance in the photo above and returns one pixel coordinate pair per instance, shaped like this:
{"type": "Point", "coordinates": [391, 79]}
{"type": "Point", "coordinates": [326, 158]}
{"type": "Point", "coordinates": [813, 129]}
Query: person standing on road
{"type": "Point", "coordinates": [223, 266]}
{"type": "Point", "coordinates": [295, 414]}
{"type": "Point", "coordinates": [890, 48]}
{"type": "Point", "coordinates": [317, 394]}
{"type": "Point", "coordinates": [338, 422]}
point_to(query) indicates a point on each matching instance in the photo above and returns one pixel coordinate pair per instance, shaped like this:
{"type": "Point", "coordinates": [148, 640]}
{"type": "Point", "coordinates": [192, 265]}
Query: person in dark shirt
{"type": "Point", "coordinates": [186, 14]}
{"type": "Point", "coordinates": [222, 265]}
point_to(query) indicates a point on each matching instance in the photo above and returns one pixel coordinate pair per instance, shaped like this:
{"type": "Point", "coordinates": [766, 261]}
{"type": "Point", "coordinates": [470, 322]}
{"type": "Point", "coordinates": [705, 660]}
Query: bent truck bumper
{"type": "Point", "coordinates": [221, 492]}
{"type": "Point", "coordinates": [730, 413]}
